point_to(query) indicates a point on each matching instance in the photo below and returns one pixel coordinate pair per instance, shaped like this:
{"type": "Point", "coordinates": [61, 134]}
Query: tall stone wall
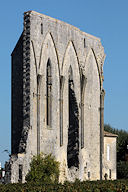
{"type": "Point", "coordinates": [17, 96]}
{"type": "Point", "coordinates": [77, 70]}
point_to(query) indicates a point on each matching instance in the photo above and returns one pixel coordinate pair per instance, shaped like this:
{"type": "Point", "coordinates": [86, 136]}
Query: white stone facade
{"type": "Point", "coordinates": [110, 161]}
{"type": "Point", "coordinates": [75, 57]}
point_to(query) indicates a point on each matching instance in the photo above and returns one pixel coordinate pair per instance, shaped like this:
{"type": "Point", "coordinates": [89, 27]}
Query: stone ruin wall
{"type": "Point", "coordinates": [66, 46]}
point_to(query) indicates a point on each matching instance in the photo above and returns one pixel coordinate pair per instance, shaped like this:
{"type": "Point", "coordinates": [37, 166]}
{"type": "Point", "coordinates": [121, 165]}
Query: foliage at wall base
{"type": "Point", "coordinates": [77, 186]}
{"type": "Point", "coordinates": [43, 169]}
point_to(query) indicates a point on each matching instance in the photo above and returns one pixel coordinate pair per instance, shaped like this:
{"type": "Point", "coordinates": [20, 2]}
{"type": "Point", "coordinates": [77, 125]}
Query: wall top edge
{"type": "Point", "coordinates": [61, 22]}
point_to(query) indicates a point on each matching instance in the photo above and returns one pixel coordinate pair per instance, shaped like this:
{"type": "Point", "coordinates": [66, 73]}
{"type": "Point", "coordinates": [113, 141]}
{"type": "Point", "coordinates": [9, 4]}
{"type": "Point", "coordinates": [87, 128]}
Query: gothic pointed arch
{"type": "Point", "coordinates": [50, 87]}
{"type": "Point", "coordinates": [70, 48]}
{"type": "Point", "coordinates": [71, 60]}
{"type": "Point", "coordinates": [48, 50]}
{"type": "Point", "coordinates": [71, 101]}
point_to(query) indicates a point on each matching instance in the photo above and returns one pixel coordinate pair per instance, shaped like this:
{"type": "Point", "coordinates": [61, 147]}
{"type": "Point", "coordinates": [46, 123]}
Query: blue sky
{"type": "Point", "coordinates": [105, 19]}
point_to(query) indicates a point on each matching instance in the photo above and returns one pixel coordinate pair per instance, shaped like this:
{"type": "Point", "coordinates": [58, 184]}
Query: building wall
{"type": "Point", "coordinates": [67, 47]}
{"type": "Point", "coordinates": [110, 161]}
{"type": "Point", "coordinates": [17, 96]}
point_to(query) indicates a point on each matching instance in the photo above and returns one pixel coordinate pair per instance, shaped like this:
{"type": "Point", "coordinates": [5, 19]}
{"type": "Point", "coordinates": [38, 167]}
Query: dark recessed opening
{"type": "Point", "coordinates": [41, 28]}
{"type": "Point", "coordinates": [84, 43]}
{"type": "Point", "coordinates": [73, 130]}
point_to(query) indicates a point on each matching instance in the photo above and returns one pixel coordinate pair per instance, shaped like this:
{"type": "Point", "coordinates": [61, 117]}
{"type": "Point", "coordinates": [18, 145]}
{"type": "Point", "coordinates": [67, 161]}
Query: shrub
{"type": "Point", "coordinates": [43, 169]}
{"type": "Point", "coordinates": [77, 186]}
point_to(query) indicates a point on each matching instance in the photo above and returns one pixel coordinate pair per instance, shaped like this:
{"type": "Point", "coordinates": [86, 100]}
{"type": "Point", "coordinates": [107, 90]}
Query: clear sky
{"type": "Point", "coordinates": [107, 19]}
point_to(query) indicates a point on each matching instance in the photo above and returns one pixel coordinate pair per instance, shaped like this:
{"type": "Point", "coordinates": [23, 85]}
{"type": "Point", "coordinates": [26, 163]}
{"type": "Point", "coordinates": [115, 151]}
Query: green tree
{"type": "Point", "coordinates": [122, 170]}
{"type": "Point", "coordinates": [43, 169]}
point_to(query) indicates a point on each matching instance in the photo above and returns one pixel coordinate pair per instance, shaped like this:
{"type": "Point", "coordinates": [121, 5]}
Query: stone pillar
{"type": "Point", "coordinates": [102, 94]}
{"type": "Point", "coordinates": [83, 84]}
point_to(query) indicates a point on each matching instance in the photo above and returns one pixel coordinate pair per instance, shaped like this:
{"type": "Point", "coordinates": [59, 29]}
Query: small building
{"type": "Point", "coordinates": [109, 158]}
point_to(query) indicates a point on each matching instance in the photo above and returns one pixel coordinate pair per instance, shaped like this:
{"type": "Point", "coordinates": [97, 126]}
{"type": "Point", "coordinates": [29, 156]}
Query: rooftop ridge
{"type": "Point", "coordinates": [108, 134]}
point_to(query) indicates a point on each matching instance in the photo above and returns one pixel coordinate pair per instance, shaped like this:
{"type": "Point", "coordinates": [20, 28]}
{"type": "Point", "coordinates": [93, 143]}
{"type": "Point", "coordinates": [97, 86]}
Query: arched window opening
{"type": "Point", "coordinates": [42, 28]}
{"type": "Point", "coordinates": [73, 130]}
{"type": "Point", "coordinates": [49, 94]}
{"type": "Point", "coordinates": [84, 43]}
